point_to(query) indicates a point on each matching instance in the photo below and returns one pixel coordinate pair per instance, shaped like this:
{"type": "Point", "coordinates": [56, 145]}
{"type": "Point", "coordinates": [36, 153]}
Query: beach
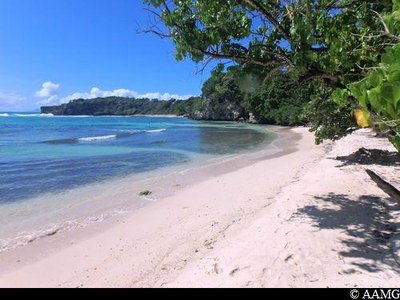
{"type": "Point", "coordinates": [295, 218]}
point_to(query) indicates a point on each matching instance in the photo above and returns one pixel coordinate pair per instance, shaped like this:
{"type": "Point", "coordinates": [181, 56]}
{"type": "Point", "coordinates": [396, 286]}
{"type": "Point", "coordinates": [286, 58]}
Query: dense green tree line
{"type": "Point", "coordinates": [125, 107]}
{"type": "Point", "coordinates": [235, 94]}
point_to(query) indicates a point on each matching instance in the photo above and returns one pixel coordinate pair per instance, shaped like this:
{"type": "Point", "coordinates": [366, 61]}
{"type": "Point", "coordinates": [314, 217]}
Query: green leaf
{"type": "Point", "coordinates": [391, 92]}
{"type": "Point", "coordinates": [375, 79]}
{"type": "Point", "coordinates": [394, 76]}
{"type": "Point", "coordinates": [340, 96]}
{"type": "Point", "coordinates": [396, 91]}
{"type": "Point", "coordinates": [359, 92]}
{"type": "Point", "coordinates": [396, 51]}
{"type": "Point", "coordinates": [396, 4]}
{"type": "Point", "coordinates": [387, 92]}
{"type": "Point", "coordinates": [374, 100]}
{"type": "Point", "coordinates": [391, 111]}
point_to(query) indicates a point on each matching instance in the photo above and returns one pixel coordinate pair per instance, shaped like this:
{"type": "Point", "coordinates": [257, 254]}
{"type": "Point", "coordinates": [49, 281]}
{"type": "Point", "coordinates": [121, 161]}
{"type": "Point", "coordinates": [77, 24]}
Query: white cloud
{"type": "Point", "coordinates": [49, 89]}
{"type": "Point", "coordinates": [53, 100]}
{"type": "Point", "coordinates": [98, 93]}
{"type": "Point", "coordinates": [49, 95]}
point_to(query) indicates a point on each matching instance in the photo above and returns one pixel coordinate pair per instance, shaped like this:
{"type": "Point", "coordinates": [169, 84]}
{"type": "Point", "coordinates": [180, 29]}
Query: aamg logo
{"type": "Point", "coordinates": [354, 294]}
{"type": "Point", "coordinates": [379, 294]}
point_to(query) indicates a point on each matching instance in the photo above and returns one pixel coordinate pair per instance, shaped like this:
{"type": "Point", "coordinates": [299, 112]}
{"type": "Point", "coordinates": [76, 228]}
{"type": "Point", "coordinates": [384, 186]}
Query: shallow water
{"type": "Point", "coordinates": [42, 154]}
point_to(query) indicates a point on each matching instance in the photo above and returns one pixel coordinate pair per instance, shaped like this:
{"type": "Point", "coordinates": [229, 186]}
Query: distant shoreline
{"type": "Point", "coordinates": [11, 114]}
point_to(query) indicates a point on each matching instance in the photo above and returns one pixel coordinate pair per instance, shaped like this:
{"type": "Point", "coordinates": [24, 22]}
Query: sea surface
{"type": "Point", "coordinates": [61, 173]}
{"type": "Point", "coordinates": [41, 154]}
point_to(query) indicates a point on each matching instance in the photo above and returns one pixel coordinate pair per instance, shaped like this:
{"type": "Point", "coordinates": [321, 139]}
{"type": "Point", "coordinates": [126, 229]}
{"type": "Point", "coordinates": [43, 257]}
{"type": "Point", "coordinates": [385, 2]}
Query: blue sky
{"type": "Point", "coordinates": [52, 50]}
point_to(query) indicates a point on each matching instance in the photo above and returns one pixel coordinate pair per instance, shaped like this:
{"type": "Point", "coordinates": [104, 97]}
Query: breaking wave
{"type": "Point", "coordinates": [101, 138]}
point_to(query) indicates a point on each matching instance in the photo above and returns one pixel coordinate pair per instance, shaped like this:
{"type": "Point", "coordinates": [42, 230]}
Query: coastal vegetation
{"type": "Point", "coordinates": [319, 61]}
{"type": "Point", "coordinates": [123, 107]}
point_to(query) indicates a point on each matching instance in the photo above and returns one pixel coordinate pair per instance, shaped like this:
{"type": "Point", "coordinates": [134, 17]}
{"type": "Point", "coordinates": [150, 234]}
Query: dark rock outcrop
{"type": "Point", "coordinates": [216, 111]}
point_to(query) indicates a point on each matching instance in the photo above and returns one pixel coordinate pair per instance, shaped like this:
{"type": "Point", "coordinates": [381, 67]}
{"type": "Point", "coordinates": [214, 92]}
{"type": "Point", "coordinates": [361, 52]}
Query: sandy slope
{"type": "Point", "coordinates": [292, 221]}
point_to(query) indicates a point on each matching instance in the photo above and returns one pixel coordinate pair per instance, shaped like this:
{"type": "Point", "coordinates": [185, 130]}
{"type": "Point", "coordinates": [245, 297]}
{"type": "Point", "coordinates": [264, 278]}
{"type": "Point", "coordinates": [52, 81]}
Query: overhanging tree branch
{"type": "Point", "coordinates": [259, 7]}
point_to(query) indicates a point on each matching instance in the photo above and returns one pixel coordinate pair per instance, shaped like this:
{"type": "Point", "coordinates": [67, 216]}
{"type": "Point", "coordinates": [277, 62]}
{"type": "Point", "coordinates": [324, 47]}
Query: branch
{"type": "Point", "coordinates": [237, 58]}
{"type": "Point", "coordinates": [243, 55]}
{"type": "Point", "coordinates": [278, 54]}
{"type": "Point", "coordinates": [205, 64]}
{"type": "Point", "coordinates": [154, 31]}
{"type": "Point", "coordinates": [382, 21]}
{"type": "Point", "coordinates": [335, 5]}
{"type": "Point", "coordinates": [270, 73]}
{"type": "Point", "coordinates": [384, 186]}
{"type": "Point", "coordinates": [333, 81]}
{"type": "Point", "coordinates": [153, 28]}
{"type": "Point", "coordinates": [269, 16]}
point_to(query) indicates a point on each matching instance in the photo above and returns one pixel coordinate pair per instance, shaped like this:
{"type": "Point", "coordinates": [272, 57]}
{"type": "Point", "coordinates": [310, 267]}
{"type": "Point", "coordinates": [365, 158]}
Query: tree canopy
{"type": "Point", "coordinates": [337, 42]}
{"type": "Point", "coordinates": [315, 38]}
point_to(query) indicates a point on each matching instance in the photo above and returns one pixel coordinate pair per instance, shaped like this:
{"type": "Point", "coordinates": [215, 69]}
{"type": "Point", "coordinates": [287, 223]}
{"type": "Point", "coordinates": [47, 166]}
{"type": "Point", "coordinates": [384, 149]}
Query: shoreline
{"type": "Point", "coordinates": [56, 213]}
{"type": "Point", "coordinates": [290, 220]}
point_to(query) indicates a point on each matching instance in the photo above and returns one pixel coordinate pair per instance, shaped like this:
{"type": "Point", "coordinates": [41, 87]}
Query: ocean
{"type": "Point", "coordinates": [44, 157]}
{"type": "Point", "coordinates": [43, 154]}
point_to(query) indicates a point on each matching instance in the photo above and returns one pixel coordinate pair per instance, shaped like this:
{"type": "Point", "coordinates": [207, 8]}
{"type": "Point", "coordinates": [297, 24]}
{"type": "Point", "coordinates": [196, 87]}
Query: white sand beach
{"type": "Point", "coordinates": [298, 219]}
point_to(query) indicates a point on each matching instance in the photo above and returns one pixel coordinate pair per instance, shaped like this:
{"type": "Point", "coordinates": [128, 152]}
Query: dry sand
{"type": "Point", "coordinates": [296, 220]}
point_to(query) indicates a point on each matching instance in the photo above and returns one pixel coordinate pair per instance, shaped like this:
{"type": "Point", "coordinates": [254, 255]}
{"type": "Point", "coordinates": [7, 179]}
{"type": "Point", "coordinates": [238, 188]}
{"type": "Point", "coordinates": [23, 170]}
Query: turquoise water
{"type": "Point", "coordinates": [41, 154]}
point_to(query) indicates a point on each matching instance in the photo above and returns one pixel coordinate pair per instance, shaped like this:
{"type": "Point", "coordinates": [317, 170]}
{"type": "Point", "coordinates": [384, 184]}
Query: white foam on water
{"type": "Point", "coordinates": [32, 115]}
{"type": "Point", "coordinates": [143, 131]}
{"type": "Point", "coordinates": [97, 138]}
{"type": "Point", "coordinates": [156, 130]}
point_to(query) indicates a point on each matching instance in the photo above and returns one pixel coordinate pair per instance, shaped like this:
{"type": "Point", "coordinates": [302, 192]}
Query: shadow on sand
{"type": "Point", "coordinates": [368, 226]}
{"type": "Point", "coordinates": [371, 157]}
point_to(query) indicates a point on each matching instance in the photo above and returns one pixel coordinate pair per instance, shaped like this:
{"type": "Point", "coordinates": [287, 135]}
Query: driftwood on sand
{"type": "Point", "coordinates": [384, 185]}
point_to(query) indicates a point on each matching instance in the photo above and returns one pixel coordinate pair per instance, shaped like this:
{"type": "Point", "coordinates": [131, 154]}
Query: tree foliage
{"type": "Point", "coordinates": [378, 94]}
{"type": "Point", "coordinates": [328, 120]}
{"type": "Point", "coordinates": [234, 95]}
{"type": "Point", "coordinates": [222, 98]}
{"type": "Point", "coordinates": [314, 38]}
{"type": "Point", "coordinates": [336, 42]}
{"type": "Point", "coordinates": [281, 100]}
